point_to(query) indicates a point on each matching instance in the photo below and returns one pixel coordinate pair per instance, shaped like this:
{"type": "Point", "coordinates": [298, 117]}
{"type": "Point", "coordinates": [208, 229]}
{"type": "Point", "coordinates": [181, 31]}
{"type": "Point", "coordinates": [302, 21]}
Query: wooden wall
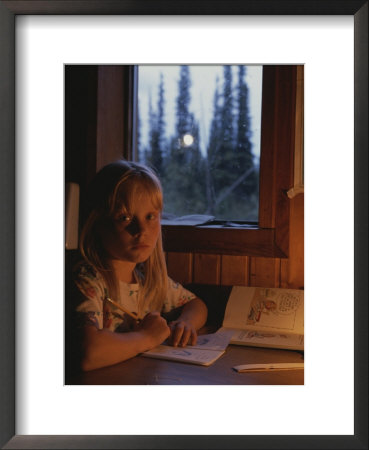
{"type": "Point", "coordinates": [95, 120]}
{"type": "Point", "coordinates": [227, 270]}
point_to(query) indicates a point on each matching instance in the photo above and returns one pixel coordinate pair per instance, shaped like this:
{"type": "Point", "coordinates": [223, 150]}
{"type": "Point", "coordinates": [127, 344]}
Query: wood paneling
{"type": "Point", "coordinates": [292, 269]}
{"type": "Point", "coordinates": [285, 141]}
{"type": "Point", "coordinates": [296, 260]}
{"type": "Point", "coordinates": [80, 124]}
{"type": "Point", "coordinates": [180, 267]}
{"type": "Point", "coordinates": [206, 269]}
{"type": "Point", "coordinates": [265, 272]}
{"type": "Point", "coordinates": [234, 270]}
{"type": "Point", "coordinates": [268, 154]}
{"type": "Point", "coordinates": [110, 115]}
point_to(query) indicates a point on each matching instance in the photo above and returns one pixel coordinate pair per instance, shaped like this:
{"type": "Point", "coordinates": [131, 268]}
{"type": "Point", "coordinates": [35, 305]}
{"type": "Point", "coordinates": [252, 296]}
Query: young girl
{"type": "Point", "coordinates": [124, 265]}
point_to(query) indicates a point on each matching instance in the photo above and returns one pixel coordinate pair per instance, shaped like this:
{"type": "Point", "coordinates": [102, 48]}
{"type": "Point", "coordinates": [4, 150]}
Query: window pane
{"type": "Point", "coordinates": [199, 127]}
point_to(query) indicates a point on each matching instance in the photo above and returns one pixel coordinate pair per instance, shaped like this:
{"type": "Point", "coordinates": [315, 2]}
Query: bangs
{"type": "Point", "coordinates": [131, 188]}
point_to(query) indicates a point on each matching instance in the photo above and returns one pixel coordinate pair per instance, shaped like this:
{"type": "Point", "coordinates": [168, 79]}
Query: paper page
{"type": "Point", "coordinates": [265, 309]}
{"type": "Point", "coordinates": [186, 354]}
{"type": "Point", "coordinates": [214, 341]}
{"type": "Point", "coordinates": [268, 339]}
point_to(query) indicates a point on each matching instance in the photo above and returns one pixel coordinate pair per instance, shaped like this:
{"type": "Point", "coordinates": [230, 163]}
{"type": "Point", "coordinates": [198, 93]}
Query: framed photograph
{"type": "Point", "coordinates": [335, 53]}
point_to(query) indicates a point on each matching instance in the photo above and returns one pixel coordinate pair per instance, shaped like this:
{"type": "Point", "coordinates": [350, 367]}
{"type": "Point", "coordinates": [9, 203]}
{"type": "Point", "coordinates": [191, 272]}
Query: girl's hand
{"type": "Point", "coordinates": [182, 332]}
{"type": "Point", "coordinates": [154, 327]}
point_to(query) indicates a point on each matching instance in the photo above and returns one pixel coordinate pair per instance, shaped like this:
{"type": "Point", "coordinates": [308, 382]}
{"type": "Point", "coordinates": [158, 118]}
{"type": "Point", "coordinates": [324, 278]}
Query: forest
{"type": "Point", "coordinates": [223, 181]}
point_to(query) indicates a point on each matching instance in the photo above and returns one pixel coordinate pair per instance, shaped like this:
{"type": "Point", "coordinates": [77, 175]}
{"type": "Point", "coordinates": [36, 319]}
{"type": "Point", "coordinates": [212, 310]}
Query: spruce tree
{"type": "Point", "coordinates": [212, 150]}
{"type": "Point", "coordinates": [147, 151]}
{"type": "Point", "coordinates": [183, 124]}
{"type": "Point", "coordinates": [244, 156]}
{"type": "Point", "coordinates": [157, 130]}
{"type": "Point", "coordinates": [232, 180]}
{"type": "Point", "coordinates": [184, 183]}
{"type": "Point", "coordinates": [222, 166]}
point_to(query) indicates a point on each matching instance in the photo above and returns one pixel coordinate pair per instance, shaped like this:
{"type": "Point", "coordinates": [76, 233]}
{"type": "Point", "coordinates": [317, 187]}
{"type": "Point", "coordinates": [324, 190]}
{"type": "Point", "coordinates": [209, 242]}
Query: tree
{"type": "Point", "coordinates": [184, 181]}
{"type": "Point", "coordinates": [155, 153]}
{"type": "Point", "coordinates": [224, 183]}
{"type": "Point", "coordinates": [183, 125]}
{"type": "Point", "coordinates": [222, 153]}
{"type": "Point", "coordinates": [213, 149]}
{"type": "Point", "coordinates": [232, 179]}
{"type": "Point", "coordinates": [244, 156]}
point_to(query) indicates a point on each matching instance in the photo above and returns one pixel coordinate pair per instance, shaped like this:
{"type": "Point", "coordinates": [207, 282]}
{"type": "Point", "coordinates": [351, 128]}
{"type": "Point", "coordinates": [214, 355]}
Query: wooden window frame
{"type": "Point", "coordinates": [271, 237]}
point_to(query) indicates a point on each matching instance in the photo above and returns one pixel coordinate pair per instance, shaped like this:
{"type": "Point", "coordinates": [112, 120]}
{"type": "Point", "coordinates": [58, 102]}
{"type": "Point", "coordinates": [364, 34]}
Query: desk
{"type": "Point", "coordinates": [142, 371]}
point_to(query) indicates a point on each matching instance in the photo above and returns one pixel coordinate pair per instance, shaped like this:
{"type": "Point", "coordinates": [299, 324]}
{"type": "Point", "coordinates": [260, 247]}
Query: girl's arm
{"type": "Point", "coordinates": [104, 347]}
{"type": "Point", "coordinates": [192, 317]}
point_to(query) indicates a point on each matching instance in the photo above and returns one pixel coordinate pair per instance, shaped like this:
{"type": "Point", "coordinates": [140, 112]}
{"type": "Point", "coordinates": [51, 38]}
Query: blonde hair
{"type": "Point", "coordinates": [115, 188]}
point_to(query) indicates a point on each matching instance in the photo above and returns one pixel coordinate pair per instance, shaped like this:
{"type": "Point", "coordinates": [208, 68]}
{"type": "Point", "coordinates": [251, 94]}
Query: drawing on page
{"type": "Point", "coordinates": [268, 303]}
{"type": "Point", "coordinates": [202, 340]}
{"type": "Point", "coordinates": [182, 353]}
{"type": "Point", "coordinates": [288, 303]}
{"type": "Point", "coordinates": [260, 335]}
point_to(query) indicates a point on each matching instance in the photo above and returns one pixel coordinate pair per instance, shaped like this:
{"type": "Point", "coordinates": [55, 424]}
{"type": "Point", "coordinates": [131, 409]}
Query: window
{"type": "Point", "coordinates": [100, 99]}
{"type": "Point", "coordinates": [269, 237]}
{"type": "Point", "coordinates": [199, 127]}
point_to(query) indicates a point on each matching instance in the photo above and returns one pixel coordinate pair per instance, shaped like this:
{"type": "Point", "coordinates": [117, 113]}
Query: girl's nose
{"type": "Point", "coordinates": [136, 227]}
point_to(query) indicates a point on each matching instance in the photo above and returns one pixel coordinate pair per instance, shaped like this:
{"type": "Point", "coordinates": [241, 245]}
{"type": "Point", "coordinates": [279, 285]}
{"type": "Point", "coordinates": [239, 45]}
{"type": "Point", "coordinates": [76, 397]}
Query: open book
{"type": "Point", "coordinates": [208, 348]}
{"type": "Point", "coordinates": [258, 317]}
{"type": "Point", "coordinates": [266, 317]}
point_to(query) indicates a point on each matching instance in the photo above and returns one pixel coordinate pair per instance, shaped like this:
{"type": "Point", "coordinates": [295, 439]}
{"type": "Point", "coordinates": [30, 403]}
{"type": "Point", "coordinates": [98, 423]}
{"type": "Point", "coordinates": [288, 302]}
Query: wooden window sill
{"type": "Point", "coordinates": [221, 240]}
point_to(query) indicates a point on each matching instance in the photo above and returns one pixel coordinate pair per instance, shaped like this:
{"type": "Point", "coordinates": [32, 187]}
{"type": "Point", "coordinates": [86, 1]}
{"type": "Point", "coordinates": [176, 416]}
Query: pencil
{"type": "Point", "coordinates": [133, 315]}
{"type": "Point", "coordinates": [268, 367]}
{"type": "Point", "coordinates": [269, 370]}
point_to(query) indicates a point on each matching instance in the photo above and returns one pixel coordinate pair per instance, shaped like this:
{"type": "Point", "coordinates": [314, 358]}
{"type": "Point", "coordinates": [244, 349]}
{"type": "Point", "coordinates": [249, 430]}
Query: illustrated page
{"type": "Point", "coordinates": [265, 309]}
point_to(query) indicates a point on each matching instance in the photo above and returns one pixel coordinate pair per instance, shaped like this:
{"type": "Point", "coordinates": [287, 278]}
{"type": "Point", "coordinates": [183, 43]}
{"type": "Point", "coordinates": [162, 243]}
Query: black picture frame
{"type": "Point", "coordinates": [8, 12]}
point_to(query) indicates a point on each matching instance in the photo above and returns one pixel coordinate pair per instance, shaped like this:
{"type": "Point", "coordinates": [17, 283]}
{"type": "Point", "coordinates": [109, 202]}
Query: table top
{"type": "Point", "coordinates": [141, 370]}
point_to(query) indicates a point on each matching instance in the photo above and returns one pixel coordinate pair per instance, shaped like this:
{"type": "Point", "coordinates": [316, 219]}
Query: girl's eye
{"type": "Point", "coordinates": [124, 218]}
{"type": "Point", "coordinates": [151, 216]}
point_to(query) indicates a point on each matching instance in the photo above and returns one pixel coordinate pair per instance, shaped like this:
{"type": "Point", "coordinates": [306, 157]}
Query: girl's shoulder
{"type": "Point", "coordinates": [172, 284]}
{"type": "Point", "coordinates": [89, 281]}
{"type": "Point", "coordinates": [177, 289]}
{"type": "Point", "coordinates": [177, 296]}
{"type": "Point", "coordinates": [84, 270]}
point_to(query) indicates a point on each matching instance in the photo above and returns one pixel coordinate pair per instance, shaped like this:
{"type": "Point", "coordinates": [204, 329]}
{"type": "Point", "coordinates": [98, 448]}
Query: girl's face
{"type": "Point", "coordinates": [133, 237]}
